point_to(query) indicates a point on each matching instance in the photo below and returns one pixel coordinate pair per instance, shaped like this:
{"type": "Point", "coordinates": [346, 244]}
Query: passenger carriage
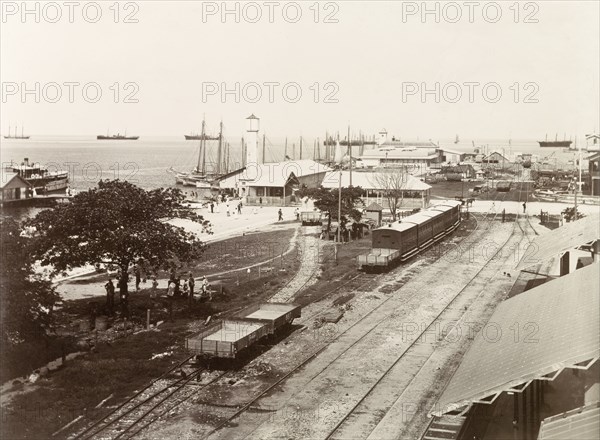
{"type": "Point", "coordinates": [401, 240]}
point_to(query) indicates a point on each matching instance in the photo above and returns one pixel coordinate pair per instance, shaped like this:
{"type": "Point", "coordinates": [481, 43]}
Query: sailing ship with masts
{"type": "Point", "coordinates": [16, 136]}
{"type": "Point", "coordinates": [205, 173]}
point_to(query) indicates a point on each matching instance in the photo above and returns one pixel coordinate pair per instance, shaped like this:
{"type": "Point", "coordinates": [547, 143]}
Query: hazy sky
{"type": "Point", "coordinates": [367, 56]}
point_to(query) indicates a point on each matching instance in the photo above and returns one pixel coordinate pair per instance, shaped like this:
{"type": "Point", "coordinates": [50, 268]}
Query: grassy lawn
{"type": "Point", "coordinates": [122, 363]}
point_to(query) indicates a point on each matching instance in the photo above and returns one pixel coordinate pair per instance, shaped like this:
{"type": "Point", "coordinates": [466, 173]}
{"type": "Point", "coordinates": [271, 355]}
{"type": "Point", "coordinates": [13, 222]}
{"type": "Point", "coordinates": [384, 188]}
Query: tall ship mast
{"type": "Point", "coordinates": [201, 177]}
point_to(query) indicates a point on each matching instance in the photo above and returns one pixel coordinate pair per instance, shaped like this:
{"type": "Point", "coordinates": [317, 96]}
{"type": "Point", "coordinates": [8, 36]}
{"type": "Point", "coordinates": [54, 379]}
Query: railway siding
{"type": "Point", "coordinates": [356, 359]}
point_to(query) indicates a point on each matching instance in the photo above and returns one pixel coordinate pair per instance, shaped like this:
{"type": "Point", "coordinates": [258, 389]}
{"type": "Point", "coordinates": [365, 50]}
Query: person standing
{"type": "Point", "coordinates": [280, 215]}
{"type": "Point", "coordinates": [191, 283]}
{"type": "Point", "coordinates": [138, 277]}
{"type": "Point", "coordinates": [239, 208]}
{"type": "Point", "coordinates": [171, 298]}
{"type": "Point", "coordinates": [524, 207]}
{"type": "Point", "coordinates": [212, 207]}
{"type": "Point", "coordinates": [204, 286]}
{"type": "Point", "coordinates": [154, 287]}
{"type": "Point", "coordinates": [260, 201]}
{"type": "Point", "coordinates": [228, 209]}
{"type": "Point", "coordinates": [297, 214]}
{"type": "Point", "coordinates": [110, 295]}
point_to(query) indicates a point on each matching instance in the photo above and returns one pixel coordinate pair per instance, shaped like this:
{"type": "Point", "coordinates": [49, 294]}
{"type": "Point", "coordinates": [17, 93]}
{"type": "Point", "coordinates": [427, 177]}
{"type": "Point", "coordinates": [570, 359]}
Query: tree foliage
{"type": "Point", "coordinates": [327, 200]}
{"type": "Point", "coordinates": [570, 214]}
{"type": "Point", "coordinates": [26, 299]}
{"type": "Point", "coordinates": [117, 224]}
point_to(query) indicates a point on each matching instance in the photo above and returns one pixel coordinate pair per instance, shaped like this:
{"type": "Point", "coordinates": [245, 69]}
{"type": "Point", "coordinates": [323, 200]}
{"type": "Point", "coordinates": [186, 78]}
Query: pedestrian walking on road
{"type": "Point", "coordinates": [524, 207]}
{"type": "Point", "coordinates": [297, 214]}
{"type": "Point", "coordinates": [212, 207]}
{"type": "Point", "coordinates": [239, 208]}
{"type": "Point", "coordinates": [260, 201]}
{"type": "Point", "coordinates": [280, 215]}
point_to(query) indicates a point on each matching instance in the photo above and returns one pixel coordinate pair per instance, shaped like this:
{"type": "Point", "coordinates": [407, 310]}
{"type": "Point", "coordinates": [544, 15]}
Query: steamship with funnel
{"type": "Point", "coordinates": [39, 177]}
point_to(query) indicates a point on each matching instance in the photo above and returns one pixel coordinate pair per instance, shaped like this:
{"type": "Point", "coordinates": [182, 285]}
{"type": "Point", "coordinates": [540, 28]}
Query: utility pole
{"type": "Point", "coordinates": [300, 147]}
{"type": "Point", "coordinates": [350, 154]}
{"type": "Point", "coordinates": [263, 153]}
{"type": "Point", "coordinates": [285, 151]}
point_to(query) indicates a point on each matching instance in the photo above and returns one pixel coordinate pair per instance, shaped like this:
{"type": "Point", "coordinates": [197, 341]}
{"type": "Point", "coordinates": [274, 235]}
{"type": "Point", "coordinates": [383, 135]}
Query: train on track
{"type": "Point", "coordinates": [397, 242]}
{"type": "Point", "coordinates": [227, 338]}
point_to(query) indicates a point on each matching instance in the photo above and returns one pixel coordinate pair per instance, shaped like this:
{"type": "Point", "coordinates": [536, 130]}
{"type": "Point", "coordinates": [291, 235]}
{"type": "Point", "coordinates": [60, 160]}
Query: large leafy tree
{"type": "Point", "coordinates": [26, 298]}
{"type": "Point", "coordinates": [327, 200]}
{"type": "Point", "coordinates": [118, 224]}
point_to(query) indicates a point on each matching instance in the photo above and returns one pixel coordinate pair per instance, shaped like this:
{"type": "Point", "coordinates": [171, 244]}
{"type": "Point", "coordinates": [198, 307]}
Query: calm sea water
{"type": "Point", "coordinates": [145, 162]}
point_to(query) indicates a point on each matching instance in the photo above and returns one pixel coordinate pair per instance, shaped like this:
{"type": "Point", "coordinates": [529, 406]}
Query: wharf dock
{"type": "Point", "coordinates": [37, 201]}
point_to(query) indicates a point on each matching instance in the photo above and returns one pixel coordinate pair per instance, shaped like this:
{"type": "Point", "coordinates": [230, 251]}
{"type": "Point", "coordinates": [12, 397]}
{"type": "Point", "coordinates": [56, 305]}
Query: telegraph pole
{"type": "Point", "coordinates": [350, 154]}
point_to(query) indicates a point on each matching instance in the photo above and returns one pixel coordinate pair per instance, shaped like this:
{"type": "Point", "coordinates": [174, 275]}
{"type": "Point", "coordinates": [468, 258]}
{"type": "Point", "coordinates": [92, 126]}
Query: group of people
{"type": "Point", "coordinates": [175, 288]}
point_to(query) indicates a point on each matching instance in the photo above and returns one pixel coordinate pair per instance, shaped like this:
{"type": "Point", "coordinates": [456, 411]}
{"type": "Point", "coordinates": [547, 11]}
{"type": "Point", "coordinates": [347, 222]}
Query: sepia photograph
{"type": "Point", "coordinates": [312, 219]}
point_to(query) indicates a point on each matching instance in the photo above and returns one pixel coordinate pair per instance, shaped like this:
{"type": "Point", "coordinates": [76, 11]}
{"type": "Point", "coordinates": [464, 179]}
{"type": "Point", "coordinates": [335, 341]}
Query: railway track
{"type": "Point", "coordinates": [313, 355]}
{"type": "Point", "coordinates": [131, 413]}
{"type": "Point", "coordinates": [363, 420]}
{"type": "Point", "coordinates": [146, 405]}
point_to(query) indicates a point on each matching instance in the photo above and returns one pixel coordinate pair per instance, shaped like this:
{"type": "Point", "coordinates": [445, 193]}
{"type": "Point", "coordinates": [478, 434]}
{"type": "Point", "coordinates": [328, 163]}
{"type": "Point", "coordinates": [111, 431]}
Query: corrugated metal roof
{"type": "Point", "coordinates": [560, 240]}
{"type": "Point", "coordinates": [536, 333]}
{"type": "Point", "coordinates": [580, 423]}
{"type": "Point", "coordinates": [368, 180]}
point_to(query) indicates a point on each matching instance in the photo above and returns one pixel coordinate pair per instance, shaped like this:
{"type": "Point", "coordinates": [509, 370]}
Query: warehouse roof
{"type": "Point", "coordinates": [557, 329]}
{"type": "Point", "coordinates": [560, 240]}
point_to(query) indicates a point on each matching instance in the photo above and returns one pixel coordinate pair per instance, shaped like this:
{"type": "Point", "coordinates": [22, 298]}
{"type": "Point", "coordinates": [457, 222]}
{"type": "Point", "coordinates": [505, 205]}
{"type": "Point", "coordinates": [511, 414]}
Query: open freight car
{"type": "Point", "coordinates": [397, 242]}
{"type": "Point", "coordinates": [227, 338]}
{"type": "Point", "coordinates": [274, 315]}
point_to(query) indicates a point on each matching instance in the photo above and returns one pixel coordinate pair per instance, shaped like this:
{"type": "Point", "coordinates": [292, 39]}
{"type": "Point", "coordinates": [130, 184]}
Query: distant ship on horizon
{"type": "Point", "coordinates": [555, 143]}
{"type": "Point", "coordinates": [116, 137]}
{"type": "Point", "coordinates": [16, 136]}
{"type": "Point", "coordinates": [200, 137]}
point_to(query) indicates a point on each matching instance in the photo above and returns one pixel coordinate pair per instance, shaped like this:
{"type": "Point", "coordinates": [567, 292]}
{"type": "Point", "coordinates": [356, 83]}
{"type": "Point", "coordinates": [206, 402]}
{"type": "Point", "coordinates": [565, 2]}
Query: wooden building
{"type": "Point", "coordinates": [13, 188]}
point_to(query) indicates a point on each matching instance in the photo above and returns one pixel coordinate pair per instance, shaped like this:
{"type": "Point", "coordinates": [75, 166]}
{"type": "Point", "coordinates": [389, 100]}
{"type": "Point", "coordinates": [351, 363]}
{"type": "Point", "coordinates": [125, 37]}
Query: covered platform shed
{"type": "Point", "coordinates": [528, 342]}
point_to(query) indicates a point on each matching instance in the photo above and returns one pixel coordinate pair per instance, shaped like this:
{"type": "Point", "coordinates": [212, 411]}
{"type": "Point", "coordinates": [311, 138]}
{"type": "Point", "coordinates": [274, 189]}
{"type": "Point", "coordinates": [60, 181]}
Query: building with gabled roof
{"type": "Point", "coordinates": [273, 183]}
{"type": "Point", "coordinates": [14, 188]}
{"type": "Point", "coordinates": [416, 194]}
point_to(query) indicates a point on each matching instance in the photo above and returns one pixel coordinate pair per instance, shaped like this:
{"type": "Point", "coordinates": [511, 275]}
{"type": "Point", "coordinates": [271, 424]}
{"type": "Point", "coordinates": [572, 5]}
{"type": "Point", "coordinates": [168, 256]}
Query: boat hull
{"type": "Point", "coordinates": [555, 144]}
{"type": "Point", "coordinates": [117, 138]}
